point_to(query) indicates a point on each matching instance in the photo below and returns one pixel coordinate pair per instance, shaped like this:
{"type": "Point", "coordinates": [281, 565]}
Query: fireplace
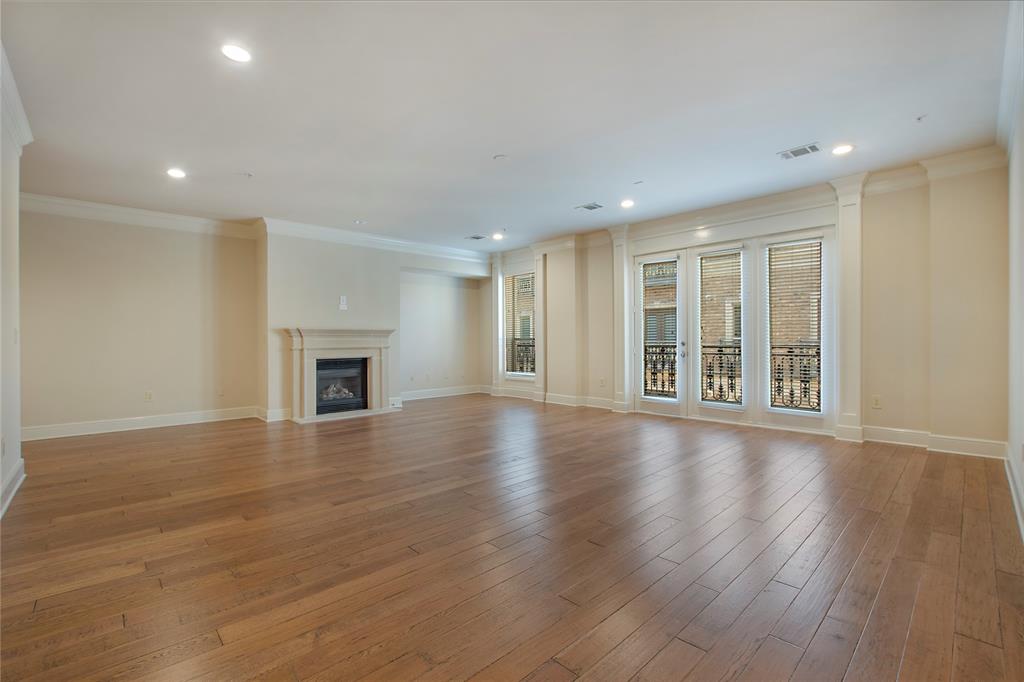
{"type": "Point", "coordinates": [340, 385]}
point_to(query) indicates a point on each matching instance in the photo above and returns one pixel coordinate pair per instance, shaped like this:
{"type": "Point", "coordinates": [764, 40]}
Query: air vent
{"type": "Point", "coordinates": [592, 206]}
{"type": "Point", "coordinates": [476, 236]}
{"type": "Point", "coordinates": [800, 151]}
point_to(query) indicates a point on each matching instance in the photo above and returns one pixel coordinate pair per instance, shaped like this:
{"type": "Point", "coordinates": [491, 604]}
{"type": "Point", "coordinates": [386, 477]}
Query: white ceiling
{"type": "Point", "coordinates": [391, 112]}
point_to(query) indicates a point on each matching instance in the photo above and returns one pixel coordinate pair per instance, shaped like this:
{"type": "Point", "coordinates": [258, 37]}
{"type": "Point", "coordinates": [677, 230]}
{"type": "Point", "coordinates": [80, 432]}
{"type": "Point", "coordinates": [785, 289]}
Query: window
{"type": "Point", "coordinates": [659, 320]}
{"type": "Point", "coordinates": [520, 356]}
{"type": "Point", "coordinates": [794, 322]}
{"type": "Point", "coordinates": [721, 328]}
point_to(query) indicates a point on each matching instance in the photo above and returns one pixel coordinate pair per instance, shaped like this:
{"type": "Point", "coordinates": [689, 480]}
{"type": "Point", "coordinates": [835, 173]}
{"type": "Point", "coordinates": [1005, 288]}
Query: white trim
{"type": "Point", "coordinates": [597, 403]}
{"type": "Point", "coordinates": [15, 121]}
{"type": "Point", "coordinates": [443, 392]}
{"type": "Point", "coordinates": [854, 434]}
{"type": "Point", "coordinates": [136, 217]}
{"type": "Point", "coordinates": [560, 399]}
{"type": "Point", "coordinates": [1012, 89]}
{"type": "Point", "coordinates": [512, 392]}
{"type": "Point", "coordinates": [1018, 503]}
{"type": "Point", "coordinates": [338, 235]}
{"type": "Point", "coordinates": [967, 446]}
{"type": "Point", "coordinates": [895, 180]}
{"type": "Point", "coordinates": [278, 415]}
{"type": "Point", "coordinates": [12, 488]}
{"type": "Point", "coordinates": [884, 434]}
{"type": "Point", "coordinates": [977, 447]}
{"type": "Point", "coordinates": [133, 423]}
{"type": "Point", "coordinates": [960, 163]}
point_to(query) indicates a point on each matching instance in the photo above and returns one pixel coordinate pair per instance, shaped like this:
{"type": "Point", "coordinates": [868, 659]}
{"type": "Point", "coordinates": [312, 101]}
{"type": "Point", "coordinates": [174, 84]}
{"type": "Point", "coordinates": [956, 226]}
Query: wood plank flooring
{"type": "Point", "coordinates": [498, 539]}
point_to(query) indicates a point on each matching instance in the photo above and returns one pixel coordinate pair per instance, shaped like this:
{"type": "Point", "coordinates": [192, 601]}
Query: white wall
{"type": "Point", "coordinates": [15, 135]}
{"type": "Point", "coordinates": [112, 311]}
{"type": "Point", "coordinates": [440, 322]}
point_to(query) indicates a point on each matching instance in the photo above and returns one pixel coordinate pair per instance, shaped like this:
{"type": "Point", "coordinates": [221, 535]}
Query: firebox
{"type": "Point", "coordinates": [341, 385]}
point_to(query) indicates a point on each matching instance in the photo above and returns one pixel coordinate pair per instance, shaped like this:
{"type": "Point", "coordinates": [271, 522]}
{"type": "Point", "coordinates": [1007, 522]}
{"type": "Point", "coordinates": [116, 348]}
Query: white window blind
{"type": "Point", "coordinates": [520, 353]}
{"type": "Point", "coordinates": [794, 321]}
{"type": "Point", "coordinates": [659, 329]}
{"type": "Point", "coordinates": [721, 328]}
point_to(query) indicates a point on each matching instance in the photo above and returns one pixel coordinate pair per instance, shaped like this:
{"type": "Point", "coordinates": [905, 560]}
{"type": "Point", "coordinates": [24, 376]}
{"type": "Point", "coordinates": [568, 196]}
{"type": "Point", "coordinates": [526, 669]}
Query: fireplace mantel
{"type": "Point", "coordinates": [310, 345]}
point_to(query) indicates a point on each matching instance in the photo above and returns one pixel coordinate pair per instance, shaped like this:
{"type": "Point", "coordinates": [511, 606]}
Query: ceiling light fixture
{"type": "Point", "coordinates": [358, 221]}
{"type": "Point", "coordinates": [500, 157]}
{"type": "Point", "coordinates": [840, 150]}
{"type": "Point", "coordinates": [627, 203]}
{"type": "Point", "coordinates": [176, 173]}
{"type": "Point", "coordinates": [497, 236]}
{"type": "Point", "coordinates": [235, 53]}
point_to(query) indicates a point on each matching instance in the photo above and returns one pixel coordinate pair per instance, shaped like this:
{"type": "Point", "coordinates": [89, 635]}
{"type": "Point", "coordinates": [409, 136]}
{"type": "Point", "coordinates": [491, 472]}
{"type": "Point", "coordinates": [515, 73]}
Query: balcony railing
{"type": "Point", "coordinates": [721, 370]}
{"type": "Point", "coordinates": [522, 356]}
{"type": "Point", "coordinates": [796, 377]}
{"type": "Point", "coordinates": [660, 370]}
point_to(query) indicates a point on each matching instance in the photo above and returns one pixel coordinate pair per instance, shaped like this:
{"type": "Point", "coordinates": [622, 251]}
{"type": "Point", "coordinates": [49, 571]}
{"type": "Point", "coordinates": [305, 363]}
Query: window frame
{"type": "Point", "coordinates": [659, 404]}
{"type": "Point", "coordinates": [502, 349]}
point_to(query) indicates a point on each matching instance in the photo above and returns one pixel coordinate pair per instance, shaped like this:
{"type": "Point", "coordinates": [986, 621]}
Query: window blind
{"type": "Point", "coordinates": [794, 321]}
{"type": "Point", "coordinates": [520, 353]}
{"type": "Point", "coordinates": [721, 328]}
{"type": "Point", "coordinates": [659, 332]}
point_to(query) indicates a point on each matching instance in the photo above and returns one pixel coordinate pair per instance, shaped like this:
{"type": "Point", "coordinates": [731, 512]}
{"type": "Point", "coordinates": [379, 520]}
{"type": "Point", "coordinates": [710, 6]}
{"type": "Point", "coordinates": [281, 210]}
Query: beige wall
{"type": "Point", "coordinates": [895, 314]}
{"type": "Point", "coordinates": [562, 353]}
{"type": "Point", "coordinates": [969, 282]}
{"type": "Point", "coordinates": [598, 339]}
{"type": "Point", "coordinates": [112, 311]}
{"type": "Point", "coordinates": [304, 280]}
{"type": "Point", "coordinates": [440, 318]}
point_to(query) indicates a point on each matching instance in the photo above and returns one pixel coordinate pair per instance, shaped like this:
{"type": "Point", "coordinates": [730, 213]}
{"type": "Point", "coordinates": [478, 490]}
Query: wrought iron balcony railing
{"type": "Point", "coordinates": [796, 377]}
{"type": "Point", "coordinates": [521, 356]}
{"type": "Point", "coordinates": [660, 370]}
{"type": "Point", "coordinates": [721, 370]}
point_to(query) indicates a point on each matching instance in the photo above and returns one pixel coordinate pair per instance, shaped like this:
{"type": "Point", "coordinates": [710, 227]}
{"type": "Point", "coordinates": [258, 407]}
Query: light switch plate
{"type": "Point", "coordinates": [343, 303]}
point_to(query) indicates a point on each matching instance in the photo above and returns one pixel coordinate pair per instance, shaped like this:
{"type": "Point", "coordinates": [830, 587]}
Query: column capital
{"type": "Point", "coordinates": [619, 234]}
{"type": "Point", "coordinates": [849, 188]}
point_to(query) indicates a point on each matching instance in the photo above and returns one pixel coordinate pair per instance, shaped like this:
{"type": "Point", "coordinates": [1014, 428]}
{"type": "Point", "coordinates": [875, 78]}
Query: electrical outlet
{"type": "Point", "coordinates": [148, 396]}
{"type": "Point", "coordinates": [876, 402]}
{"type": "Point", "coordinates": [601, 382]}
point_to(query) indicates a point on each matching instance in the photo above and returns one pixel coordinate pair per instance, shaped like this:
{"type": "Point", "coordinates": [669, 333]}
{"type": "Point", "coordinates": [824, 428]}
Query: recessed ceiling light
{"type": "Point", "coordinates": [176, 173]}
{"type": "Point", "coordinates": [841, 149]}
{"type": "Point", "coordinates": [626, 203]}
{"type": "Point", "coordinates": [497, 236]}
{"type": "Point", "coordinates": [358, 221]}
{"type": "Point", "coordinates": [235, 53]}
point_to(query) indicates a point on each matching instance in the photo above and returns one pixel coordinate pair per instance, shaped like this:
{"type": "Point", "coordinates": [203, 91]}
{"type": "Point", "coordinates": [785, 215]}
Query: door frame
{"type": "Point", "coordinates": [676, 407]}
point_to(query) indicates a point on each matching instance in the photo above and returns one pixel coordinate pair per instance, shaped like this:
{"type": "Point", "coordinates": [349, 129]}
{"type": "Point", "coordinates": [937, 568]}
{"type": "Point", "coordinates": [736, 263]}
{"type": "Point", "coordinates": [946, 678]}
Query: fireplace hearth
{"type": "Point", "coordinates": [340, 385]}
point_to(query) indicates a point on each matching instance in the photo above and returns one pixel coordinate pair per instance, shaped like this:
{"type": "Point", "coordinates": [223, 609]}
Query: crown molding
{"type": "Point", "coordinates": [849, 188]}
{"type": "Point", "coordinates": [137, 217]}
{"type": "Point", "coordinates": [15, 122]}
{"type": "Point", "coordinates": [594, 239]}
{"type": "Point", "coordinates": [335, 235]}
{"type": "Point", "coordinates": [557, 244]}
{"type": "Point", "coordinates": [1011, 95]}
{"type": "Point", "coordinates": [960, 163]}
{"type": "Point", "coordinates": [895, 180]}
{"type": "Point", "coordinates": [619, 234]}
{"type": "Point", "coordinates": [817, 196]}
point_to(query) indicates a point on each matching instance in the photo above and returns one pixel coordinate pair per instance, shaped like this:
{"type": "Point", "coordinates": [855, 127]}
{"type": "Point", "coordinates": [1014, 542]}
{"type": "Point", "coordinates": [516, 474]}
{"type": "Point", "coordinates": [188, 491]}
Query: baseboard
{"type": "Point", "coordinates": [883, 434]}
{"type": "Point", "coordinates": [11, 489]}
{"type": "Point", "coordinates": [599, 403]}
{"type": "Point", "coordinates": [512, 392]}
{"type": "Point", "coordinates": [443, 392]}
{"type": "Point", "coordinates": [1016, 492]}
{"type": "Point", "coordinates": [133, 423]}
{"type": "Point", "coordinates": [278, 415]}
{"type": "Point", "coordinates": [854, 434]}
{"type": "Point", "coordinates": [977, 447]}
{"type": "Point", "coordinates": [560, 399]}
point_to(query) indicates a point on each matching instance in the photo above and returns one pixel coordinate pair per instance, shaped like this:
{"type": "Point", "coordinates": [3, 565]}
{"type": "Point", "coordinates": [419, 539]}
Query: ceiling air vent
{"type": "Point", "coordinates": [592, 206]}
{"type": "Point", "coordinates": [476, 237]}
{"type": "Point", "coordinates": [800, 151]}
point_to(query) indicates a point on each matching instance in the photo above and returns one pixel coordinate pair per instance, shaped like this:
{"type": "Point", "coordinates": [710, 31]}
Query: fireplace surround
{"type": "Point", "coordinates": [340, 354]}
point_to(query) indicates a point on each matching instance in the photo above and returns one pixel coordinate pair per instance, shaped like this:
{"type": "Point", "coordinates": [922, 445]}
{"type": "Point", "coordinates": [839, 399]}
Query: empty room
{"type": "Point", "coordinates": [618, 341]}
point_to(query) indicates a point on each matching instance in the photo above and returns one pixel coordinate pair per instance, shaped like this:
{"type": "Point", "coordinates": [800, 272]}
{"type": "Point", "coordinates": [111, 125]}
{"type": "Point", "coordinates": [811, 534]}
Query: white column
{"type": "Point", "coordinates": [849, 412]}
{"type": "Point", "coordinates": [622, 332]}
{"type": "Point", "coordinates": [540, 326]}
{"type": "Point", "coordinates": [497, 322]}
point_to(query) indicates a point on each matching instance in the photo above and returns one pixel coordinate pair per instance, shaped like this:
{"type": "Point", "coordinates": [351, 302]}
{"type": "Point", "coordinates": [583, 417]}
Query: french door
{"type": "Point", "coordinates": [660, 333]}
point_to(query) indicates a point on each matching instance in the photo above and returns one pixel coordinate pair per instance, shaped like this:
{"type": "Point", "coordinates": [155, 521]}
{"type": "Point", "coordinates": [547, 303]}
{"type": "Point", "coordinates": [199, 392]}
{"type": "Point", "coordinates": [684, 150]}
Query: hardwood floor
{"type": "Point", "coordinates": [496, 539]}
